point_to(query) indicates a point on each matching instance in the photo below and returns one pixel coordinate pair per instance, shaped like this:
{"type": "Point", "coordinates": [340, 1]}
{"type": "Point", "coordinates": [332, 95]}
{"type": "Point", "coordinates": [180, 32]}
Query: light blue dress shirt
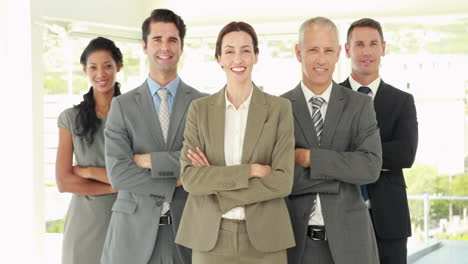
{"type": "Point", "coordinates": [154, 87]}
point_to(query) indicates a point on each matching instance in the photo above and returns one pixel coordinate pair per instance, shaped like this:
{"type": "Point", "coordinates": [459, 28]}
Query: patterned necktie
{"type": "Point", "coordinates": [164, 111]}
{"type": "Point", "coordinates": [364, 192]}
{"type": "Point", "coordinates": [317, 115]}
{"type": "Point", "coordinates": [317, 119]}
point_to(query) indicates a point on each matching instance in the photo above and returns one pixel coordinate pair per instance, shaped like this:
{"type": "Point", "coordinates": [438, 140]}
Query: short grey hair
{"type": "Point", "coordinates": [322, 21]}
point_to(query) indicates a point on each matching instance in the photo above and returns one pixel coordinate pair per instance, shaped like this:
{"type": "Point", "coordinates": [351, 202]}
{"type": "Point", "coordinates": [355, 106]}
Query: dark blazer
{"type": "Point", "coordinates": [396, 118]}
{"type": "Point", "coordinates": [133, 128]}
{"type": "Point", "coordinates": [349, 155]}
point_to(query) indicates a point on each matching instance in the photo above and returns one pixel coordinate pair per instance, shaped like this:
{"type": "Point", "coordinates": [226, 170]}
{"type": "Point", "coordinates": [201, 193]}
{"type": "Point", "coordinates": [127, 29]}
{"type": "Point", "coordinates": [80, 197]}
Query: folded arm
{"type": "Point", "coordinates": [280, 181]}
{"type": "Point", "coordinates": [124, 174]}
{"type": "Point", "coordinates": [362, 164]}
{"type": "Point", "coordinates": [67, 178]}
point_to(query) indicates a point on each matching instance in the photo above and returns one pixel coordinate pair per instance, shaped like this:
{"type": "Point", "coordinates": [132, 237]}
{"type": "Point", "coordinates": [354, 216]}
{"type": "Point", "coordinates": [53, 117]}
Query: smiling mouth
{"type": "Point", "coordinates": [101, 83]}
{"type": "Point", "coordinates": [164, 57]}
{"type": "Point", "coordinates": [317, 69]}
{"type": "Point", "coordinates": [238, 69]}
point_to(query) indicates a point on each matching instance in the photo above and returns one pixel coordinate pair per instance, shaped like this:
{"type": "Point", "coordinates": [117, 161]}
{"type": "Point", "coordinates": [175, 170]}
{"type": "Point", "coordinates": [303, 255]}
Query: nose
{"type": "Point", "coordinates": [366, 50]}
{"type": "Point", "coordinates": [321, 58]}
{"type": "Point", "coordinates": [101, 72]}
{"type": "Point", "coordinates": [237, 57]}
{"type": "Point", "coordinates": [164, 45]}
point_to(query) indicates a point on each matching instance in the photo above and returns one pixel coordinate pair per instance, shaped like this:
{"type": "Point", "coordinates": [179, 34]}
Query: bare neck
{"type": "Point", "coordinates": [163, 78]}
{"type": "Point", "coordinates": [103, 101]}
{"type": "Point", "coordinates": [238, 93]}
{"type": "Point", "coordinates": [315, 88]}
{"type": "Point", "coordinates": [364, 80]}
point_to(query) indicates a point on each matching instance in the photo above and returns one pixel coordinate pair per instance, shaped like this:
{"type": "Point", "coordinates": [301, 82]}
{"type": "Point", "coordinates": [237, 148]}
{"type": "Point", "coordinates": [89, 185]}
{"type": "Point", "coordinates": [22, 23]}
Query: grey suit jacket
{"type": "Point", "coordinates": [350, 154]}
{"type": "Point", "coordinates": [133, 128]}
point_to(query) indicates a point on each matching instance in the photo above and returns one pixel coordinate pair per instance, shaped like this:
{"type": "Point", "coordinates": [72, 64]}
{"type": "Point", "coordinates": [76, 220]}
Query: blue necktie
{"type": "Point", "coordinates": [364, 193]}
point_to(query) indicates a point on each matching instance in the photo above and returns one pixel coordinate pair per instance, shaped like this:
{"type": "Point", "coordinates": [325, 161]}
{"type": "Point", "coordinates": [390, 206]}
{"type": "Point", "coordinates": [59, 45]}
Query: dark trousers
{"type": "Point", "coordinates": [392, 251]}
{"type": "Point", "coordinates": [317, 252]}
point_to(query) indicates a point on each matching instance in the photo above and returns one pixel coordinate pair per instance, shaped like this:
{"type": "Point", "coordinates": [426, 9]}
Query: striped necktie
{"type": "Point", "coordinates": [317, 115]}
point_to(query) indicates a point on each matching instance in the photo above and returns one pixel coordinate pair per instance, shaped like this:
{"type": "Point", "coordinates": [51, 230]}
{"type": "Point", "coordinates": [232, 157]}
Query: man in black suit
{"type": "Point", "coordinates": [396, 117]}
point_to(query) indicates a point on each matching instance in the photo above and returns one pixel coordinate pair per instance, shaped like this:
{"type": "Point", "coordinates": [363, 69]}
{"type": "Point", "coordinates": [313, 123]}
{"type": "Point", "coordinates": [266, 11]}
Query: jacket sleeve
{"type": "Point", "coordinates": [279, 183]}
{"type": "Point", "coordinates": [400, 151]}
{"type": "Point", "coordinates": [123, 173]}
{"type": "Point", "coordinates": [207, 180]}
{"type": "Point", "coordinates": [361, 165]}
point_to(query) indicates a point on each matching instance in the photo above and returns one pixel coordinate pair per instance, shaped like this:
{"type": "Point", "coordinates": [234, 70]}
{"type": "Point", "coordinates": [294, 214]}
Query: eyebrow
{"type": "Point", "coordinates": [160, 37]}
{"type": "Point", "coordinates": [229, 46]}
{"type": "Point", "coordinates": [107, 61]}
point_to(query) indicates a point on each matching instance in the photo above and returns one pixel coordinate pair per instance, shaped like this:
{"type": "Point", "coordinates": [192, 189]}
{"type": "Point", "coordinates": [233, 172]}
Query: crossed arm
{"type": "Point", "coordinates": [242, 184]}
{"type": "Point", "coordinates": [361, 165]}
{"type": "Point", "coordinates": [76, 179]}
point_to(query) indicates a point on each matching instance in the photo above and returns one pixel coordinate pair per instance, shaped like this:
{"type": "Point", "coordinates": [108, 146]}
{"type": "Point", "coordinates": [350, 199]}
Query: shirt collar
{"type": "Point", "coordinates": [171, 86]}
{"type": "Point", "coordinates": [309, 94]}
{"type": "Point", "coordinates": [374, 85]}
{"type": "Point", "coordinates": [245, 104]}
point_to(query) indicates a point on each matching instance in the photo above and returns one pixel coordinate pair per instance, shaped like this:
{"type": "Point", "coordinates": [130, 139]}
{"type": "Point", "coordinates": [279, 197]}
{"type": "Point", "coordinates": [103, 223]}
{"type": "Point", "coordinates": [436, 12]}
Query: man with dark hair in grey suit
{"type": "Point", "coordinates": [337, 149]}
{"type": "Point", "coordinates": [144, 134]}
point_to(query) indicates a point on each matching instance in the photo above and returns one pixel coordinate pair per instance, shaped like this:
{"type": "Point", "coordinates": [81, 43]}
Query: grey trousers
{"type": "Point", "coordinates": [317, 252]}
{"type": "Point", "coordinates": [165, 251]}
{"type": "Point", "coordinates": [234, 247]}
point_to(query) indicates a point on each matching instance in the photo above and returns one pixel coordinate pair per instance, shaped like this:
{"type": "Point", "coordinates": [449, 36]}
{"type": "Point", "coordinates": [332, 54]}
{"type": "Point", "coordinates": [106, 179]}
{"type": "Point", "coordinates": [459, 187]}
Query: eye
{"type": "Point", "coordinates": [108, 66]}
{"type": "Point", "coordinates": [92, 67]}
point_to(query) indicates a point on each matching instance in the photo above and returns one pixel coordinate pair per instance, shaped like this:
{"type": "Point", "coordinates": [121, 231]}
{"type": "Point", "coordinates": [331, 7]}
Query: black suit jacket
{"type": "Point", "coordinates": [396, 118]}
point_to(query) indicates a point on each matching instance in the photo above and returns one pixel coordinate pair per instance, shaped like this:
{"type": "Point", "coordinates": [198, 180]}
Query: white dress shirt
{"type": "Point", "coordinates": [234, 132]}
{"type": "Point", "coordinates": [317, 218]}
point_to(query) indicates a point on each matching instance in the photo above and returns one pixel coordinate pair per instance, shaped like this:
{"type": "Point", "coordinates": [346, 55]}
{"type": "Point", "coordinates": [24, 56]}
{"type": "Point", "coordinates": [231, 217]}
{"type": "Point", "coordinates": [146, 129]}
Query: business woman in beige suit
{"type": "Point", "coordinates": [237, 164]}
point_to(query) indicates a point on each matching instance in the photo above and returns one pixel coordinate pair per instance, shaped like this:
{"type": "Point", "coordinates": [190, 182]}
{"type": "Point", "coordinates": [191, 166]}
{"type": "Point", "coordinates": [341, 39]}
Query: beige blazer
{"type": "Point", "coordinates": [213, 191]}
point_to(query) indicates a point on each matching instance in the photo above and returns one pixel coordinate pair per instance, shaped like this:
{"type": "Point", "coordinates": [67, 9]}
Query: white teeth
{"type": "Point", "coordinates": [320, 69]}
{"type": "Point", "coordinates": [164, 57]}
{"type": "Point", "coordinates": [238, 69]}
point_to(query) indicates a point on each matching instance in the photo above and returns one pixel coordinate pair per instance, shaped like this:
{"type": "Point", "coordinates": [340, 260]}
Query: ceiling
{"type": "Point", "coordinates": [129, 14]}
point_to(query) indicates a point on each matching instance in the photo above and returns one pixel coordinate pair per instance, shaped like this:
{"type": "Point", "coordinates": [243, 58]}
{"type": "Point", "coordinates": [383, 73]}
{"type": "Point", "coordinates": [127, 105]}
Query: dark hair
{"type": "Point", "coordinates": [365, 22]}
{"type": "Point", "coordinates": [167, 16]}
{"type": "Point", "coordinates": [87, 122]}
{"type": "Point", "coordinates": [101, 43]}
{"type": "Point", "coordinates": [236, 26]}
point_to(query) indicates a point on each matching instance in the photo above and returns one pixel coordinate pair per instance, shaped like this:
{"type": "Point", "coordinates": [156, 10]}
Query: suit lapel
{"type": "Point", "coordinates": [181, 103]}
{"type": "Point", "coordinates": [258, 109]}
{"type": "Point", "coordinates": [216, 119]}
{"type": "Point", "coordinates": [302, 115]}
{"type": "Point", "coordinates": [148, 113]}
{"type": "Point", "coordinates": [333, 115]}
{"type": "Point", "coordinates": [380, 101]}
